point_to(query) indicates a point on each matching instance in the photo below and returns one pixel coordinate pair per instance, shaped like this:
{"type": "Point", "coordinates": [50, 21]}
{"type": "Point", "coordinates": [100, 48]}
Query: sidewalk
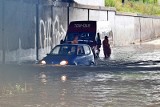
{"type": "Point", "coordinates": [153, 42]}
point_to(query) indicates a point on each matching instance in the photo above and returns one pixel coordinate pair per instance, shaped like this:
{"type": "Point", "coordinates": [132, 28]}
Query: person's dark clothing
{"type": "Point", "coordinates": [93, 46]}
{"type": "Point", "coordinates": [106, 48]}
{"type": "Point", "coordinates": [98, 44]}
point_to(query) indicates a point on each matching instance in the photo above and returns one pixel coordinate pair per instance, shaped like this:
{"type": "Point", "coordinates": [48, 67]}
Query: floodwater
{"type": "Point", "coordinates": [130, 78]}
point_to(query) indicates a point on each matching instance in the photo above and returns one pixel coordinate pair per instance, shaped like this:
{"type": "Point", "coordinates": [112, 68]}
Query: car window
{"type": "Point", "coordinates": [80, 50]}
{"type": "Point", "coordinates": [64, 50]}
{"type": "Point", "coordinates": [72, 50]}
{"type": "Point", "coordinates": [67, 50]}
{"type": "Point", "coordinates": [55, 51]}
{"type": "Point", "coordinates": [86, 50]}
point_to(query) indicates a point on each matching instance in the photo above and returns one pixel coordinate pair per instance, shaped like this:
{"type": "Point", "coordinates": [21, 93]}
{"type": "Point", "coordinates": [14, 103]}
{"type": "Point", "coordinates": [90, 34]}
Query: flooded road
{"type": "Point", "coordinates": [130, 78]}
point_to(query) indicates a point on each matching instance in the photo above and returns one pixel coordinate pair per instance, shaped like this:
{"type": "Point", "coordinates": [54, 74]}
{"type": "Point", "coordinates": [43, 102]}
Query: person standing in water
{"type": "Point", "coordinates": [106, 47]}
{"type": "Point", "coordinates": [98, 44]}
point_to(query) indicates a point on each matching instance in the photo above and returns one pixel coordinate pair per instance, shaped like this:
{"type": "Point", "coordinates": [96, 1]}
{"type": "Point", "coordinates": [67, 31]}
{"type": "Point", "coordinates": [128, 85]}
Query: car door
{"type": "Point", "coordinates": [81, 56]}
{"type": "Point", "coordinates": [89, 57]}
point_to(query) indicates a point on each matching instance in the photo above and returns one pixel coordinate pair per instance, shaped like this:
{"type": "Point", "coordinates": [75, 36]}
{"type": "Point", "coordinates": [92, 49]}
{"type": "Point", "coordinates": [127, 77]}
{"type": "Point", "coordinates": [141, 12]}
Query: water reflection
{"type": "Point", "coordinates": [56, 87]}
{"type": "Point", "coordinates": [63, 78]}
{"type": "Point", "coordinates": [43, 78]}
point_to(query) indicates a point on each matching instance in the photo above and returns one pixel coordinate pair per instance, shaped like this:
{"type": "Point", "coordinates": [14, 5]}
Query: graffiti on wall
{"type": "Point", "coordinates": [51, 32]}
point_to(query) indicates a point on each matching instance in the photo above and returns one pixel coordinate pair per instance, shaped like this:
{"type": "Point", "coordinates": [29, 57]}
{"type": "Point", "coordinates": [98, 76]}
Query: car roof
{"type": "Point", "coordinates": [72, 45]}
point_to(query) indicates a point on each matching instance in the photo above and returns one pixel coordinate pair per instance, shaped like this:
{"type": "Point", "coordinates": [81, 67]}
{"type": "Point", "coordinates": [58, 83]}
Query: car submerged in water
{"type": "Point", "coordinates": [89, 32]}
{"type": "Point", "coordinates": [69, 54]}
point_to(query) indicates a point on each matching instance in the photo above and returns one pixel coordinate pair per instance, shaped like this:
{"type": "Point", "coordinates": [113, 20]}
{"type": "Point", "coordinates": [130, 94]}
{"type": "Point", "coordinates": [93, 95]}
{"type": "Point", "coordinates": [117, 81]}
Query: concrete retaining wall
{"type": "Point", "coordinates": [130, 29]}
{"type": "Point", "coordinates": [97, 15]}
{"type": "Point", "coordinates": [1, 29]}
{"type": "Point", "coordinates": [17, 19]}
{"type": "Point", "coordinates": [124, 30]}
{"type": "Point", "coordinates": [156, 27]}
{"type": "Point", "coordinates": [91, 2]}
{"type": "Point", "coordinates": [18, 27]}
{"type": "Point", "coordinates": [53, 26]}
{"type": "Point", "coordinates": [76, 14]}
{"type": "Point", "coordinates": [146, 28]}
{"type": "Point", "coordinates": [111, 19]}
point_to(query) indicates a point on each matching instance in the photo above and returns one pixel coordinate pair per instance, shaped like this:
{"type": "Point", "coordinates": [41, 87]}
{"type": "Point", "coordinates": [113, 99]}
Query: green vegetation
{"type": "Point", "coordinates": [145, 7]}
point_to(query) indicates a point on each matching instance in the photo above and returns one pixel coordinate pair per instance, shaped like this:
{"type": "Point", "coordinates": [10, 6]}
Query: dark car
{"type": "Point", "coordinates": [70, 54]}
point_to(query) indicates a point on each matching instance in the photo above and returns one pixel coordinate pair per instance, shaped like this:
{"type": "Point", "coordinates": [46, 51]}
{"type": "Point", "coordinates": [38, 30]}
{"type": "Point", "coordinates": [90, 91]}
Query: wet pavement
{"type": "Point", "coordinates": [130, 78]}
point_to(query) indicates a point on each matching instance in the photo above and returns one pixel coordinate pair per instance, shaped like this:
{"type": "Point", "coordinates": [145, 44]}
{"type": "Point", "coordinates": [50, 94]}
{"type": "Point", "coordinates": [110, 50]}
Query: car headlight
{"type": "Point", "coordinates": [43, 62]}
{"type": "Point", "coordinates": [63, 62]}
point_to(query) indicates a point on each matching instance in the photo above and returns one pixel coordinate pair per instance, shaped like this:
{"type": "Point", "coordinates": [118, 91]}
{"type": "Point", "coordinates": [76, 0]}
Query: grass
{"type": "Point", "coordinates": [138, 7]}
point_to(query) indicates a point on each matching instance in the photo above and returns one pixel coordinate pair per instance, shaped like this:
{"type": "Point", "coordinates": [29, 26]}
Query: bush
{"type": "Point", "coordinates": [148, 8]}
{"type": "Point", "coordinates": [110, 3]}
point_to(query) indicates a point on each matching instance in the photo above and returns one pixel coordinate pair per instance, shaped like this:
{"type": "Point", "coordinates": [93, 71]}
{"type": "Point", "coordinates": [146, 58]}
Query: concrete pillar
{"type": "Point", "coordinates": [3, 37]}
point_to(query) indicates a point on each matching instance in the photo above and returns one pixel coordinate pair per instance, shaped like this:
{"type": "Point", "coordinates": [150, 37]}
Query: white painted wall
{"type": "Point", "coordinates": [91, 2]}
{"type": "Point", "coordinates": [124, 28]}
{"type": "Point", "coordinates": [97, 15]}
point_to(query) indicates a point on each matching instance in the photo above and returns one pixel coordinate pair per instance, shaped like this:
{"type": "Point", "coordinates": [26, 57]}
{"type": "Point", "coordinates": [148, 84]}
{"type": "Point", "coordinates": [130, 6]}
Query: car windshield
{"type": "Point", "coordinates": [64, 50]}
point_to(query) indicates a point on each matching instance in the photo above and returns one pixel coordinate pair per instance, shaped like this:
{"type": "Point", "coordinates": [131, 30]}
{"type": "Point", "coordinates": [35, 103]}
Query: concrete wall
{"type": "Point", "coordinates": [146, 28]}
{"type": "Point", "coordinates": [156, 27]}
{"type": "Point", "coordinates": [18, 27]}
{"type": "Point", "coordinates": [97, 15]}
{"type": "Point", "coordinates": [53, 26]}
{"type": "Point", "coordinates": [86, 2]}
{"type": "Point", "coordinates": [60, 24]}
{"type": "Point", "coordinates": [124, 30]}
{"type": "Point", "coordinates": [137, 30]}
{"type": "Point", "coordinates": [130, 29]}
{"type": "Point", "coordinates": [111, 19]}
{"type": "Point", "coordinates": [91, 2]}
{"type": "Point", "coordinates": [76, 14]}
{"type": "Point", "coordinates": [1, 28]}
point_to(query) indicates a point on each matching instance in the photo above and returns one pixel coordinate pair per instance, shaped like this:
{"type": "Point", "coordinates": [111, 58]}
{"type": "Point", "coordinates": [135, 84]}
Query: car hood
{"type": "Point", "coordinates": [56, 59]}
